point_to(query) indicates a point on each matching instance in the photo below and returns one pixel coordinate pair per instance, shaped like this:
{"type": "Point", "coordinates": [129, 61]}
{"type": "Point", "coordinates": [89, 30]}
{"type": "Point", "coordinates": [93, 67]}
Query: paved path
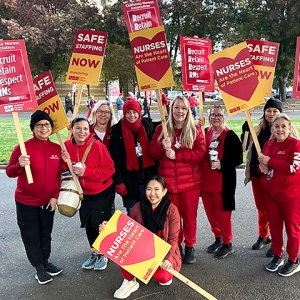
{"type": "Point", "coordinates": [241, 276]}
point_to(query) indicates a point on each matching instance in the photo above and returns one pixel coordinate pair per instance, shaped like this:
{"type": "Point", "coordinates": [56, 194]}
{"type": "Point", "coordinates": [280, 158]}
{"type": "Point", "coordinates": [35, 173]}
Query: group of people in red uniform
{"type": "Point", "coordinates": [160, 179]}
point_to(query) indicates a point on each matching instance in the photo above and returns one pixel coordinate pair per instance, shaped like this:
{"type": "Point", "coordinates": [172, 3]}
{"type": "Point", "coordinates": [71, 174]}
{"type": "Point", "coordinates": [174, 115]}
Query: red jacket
{"type": "Point", "coordinates": [45, 165]}
{"type": "Point", "coordinates": [99, 165]}
{"type": "Point", "coordinates": [183, 173]}
{"type": "Point", "coordinates": [284, 182]}
{"type": "Point", "coordinates": [169, 233]}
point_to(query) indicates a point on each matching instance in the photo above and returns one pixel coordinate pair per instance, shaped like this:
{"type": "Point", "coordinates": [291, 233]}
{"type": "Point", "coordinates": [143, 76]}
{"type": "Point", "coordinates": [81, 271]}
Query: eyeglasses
{"type": "Point", "coordinates": [40, 126]}
{"type": "Point", "coordinates": [216, 116]}
{"type": "Point", "coordinates": [103, 112]}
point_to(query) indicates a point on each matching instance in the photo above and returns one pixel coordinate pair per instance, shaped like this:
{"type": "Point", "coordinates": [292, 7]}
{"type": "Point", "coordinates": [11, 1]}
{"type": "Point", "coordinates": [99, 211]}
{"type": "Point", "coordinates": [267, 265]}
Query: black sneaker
{"type": "Point", "coordinates": [261, 242]}
{"type": "Point", "coordinates": [43, 277]}
{"type": "Point", "coordinates": [189, 257]}
{"type": "Point", "coordinates": [181, 251]}
{"type": "Point", "coordinates": [225, 250]}
{"type": "Point", "coordinates": [52, 269]}
{"type": "Point", "coordinates": [270, 253]}
{"type": "Point", "coordinates": [290, 268]}
{"type": "Point", "coordinates": [275, 263]}
{"type": "Point", "coordinates": [215, 246]}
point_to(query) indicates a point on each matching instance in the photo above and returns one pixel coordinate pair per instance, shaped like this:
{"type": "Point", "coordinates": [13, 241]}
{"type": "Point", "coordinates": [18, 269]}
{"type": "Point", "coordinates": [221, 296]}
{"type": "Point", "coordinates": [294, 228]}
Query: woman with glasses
{"type": "Point", "coordinates": [95, 177]}
{"type": "Point", "coordinates": [280, 166]}
{"type": "Point", "coordinates": [263, 131]}
{"type": "Point", "coordinates": [36, 202]}
{"type": "Point", "coordinates": [223, 154]}
{"type": "Point", "coordinates": [128, 147]}
{"type": "Point", "coordinates": [179, 156]}
{"type": "Point", "coordinates": [101, 121]}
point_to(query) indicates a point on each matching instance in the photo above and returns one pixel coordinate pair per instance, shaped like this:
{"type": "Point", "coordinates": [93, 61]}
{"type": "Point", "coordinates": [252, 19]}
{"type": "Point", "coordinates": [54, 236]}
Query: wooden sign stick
{"type": "Point", "coordinates": [252, 131]}
{"type": "Point", "coordinates": [191, 284]}
{"type": "Point", "coordinates": [201, 113]}
{"type": "Point", "coordinates": [246, 135]}
{"type": "Point", "coordinates": [22, 145]}
{"type": "Point", "coordinates": [69, 163]}
{"type": "Point", "coordinates": [161, 112]}
{"type": "Point", "coordinates": [76, 107]}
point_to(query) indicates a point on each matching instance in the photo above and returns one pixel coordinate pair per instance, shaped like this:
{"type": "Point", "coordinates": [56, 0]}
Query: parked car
{"type": "Point", "coordinates": [216, 96]}
{"type": "Point", "coordinates": [289, 94]}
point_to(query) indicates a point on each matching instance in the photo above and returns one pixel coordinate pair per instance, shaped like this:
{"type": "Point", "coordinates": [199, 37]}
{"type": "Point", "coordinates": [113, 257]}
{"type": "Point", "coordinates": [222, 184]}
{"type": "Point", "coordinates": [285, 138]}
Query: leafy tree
{"type": "Point", "coordinates": [48, 28]}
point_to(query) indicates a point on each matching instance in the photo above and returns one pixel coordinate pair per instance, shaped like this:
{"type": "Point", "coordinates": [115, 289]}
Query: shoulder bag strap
{"type": "Point", "coordinates": [87, 150]}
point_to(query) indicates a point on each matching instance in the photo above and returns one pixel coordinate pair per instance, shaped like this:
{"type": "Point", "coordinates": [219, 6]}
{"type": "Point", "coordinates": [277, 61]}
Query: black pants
{"type": "Point", "coordinates": [69, 108]}
{"type": "Point", "coordinates": [146, 112]}
{"type": "Point", "coordinates": [36, 225]}
{"type": "Point", "coordinates": [94, 210]}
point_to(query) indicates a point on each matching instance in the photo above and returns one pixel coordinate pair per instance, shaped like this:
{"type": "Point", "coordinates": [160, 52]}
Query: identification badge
{"type": "Point", "coordinates": [270, 174]}
{"type": "Point", "coordinates": [138, 150]}
{"type": "Point", "coordinates": [177, 145]}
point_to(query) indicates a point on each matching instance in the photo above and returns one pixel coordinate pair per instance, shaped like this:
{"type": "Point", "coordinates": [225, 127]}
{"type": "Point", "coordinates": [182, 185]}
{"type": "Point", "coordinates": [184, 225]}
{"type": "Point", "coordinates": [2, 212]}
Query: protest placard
{"type": "Point", "coordinates": [16, 88]}
{"type": "Point", "coordinates": [197, 74]}
{"type": "Point", "coordinates": [148, 45]}
{"type": "Point", "coordinates": [87, 57]}
{"type": "Point", "coordinates": [48, 100]}
{"type": "Point", "coordinates": [264, 57]}
{"type": "Point", "coordinates": [296, 85]}
{"type": "Point", "coordinates": [237, 79]}
{"type": "Point", "coordinates": [123, 241]}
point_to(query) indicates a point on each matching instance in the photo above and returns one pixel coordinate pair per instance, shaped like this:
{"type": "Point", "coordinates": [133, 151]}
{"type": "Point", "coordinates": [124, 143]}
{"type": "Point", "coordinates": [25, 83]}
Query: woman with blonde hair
{"type": "Point", "coordinates": [101, 121]}
{"type": "Point", "coordinates": [280, 166]}
{"type": "Point", "coordinates": [179, 157]}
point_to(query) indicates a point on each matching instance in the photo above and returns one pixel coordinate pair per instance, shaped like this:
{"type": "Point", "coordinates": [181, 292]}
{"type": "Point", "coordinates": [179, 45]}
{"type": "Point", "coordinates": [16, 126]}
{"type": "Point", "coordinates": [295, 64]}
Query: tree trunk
{"type": "Point", "coordinates": [282, 89]}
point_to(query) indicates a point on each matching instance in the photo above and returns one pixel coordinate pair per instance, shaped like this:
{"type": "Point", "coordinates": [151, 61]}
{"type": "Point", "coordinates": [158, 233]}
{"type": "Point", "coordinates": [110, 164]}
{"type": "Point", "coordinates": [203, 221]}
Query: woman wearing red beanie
{"type": "Point", "coordinates": [128, 147]}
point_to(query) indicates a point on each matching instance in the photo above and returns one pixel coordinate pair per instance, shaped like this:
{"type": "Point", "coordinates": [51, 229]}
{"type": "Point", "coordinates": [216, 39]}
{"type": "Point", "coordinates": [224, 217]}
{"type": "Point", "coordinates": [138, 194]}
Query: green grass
{"type": "Point", "coordinates": [9, 139]}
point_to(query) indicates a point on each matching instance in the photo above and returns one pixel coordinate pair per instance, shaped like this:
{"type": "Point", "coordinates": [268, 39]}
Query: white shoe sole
{"type": "Point", "coordinates": [129, 292]}
{"type": "Point", "coordinates": [40, 282]}
{"type": "Point", "coordinates": [274, 270]}
{"type": "Point", "coordinates": [55, 274]}
{"type": "Point", "coordinates": [166, 283]}
{"type": "Point", "coordinates": [100, 269]}
{"type": "Point", "coordinates": [290, 274]}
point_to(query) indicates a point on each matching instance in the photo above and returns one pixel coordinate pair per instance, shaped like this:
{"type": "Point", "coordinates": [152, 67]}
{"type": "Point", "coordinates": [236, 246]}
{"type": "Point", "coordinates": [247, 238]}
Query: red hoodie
{"type": "Point", "coordinates": [99, 165]}
{"type": "Point", "coordinates": [45, 165]}
{"type": "Point", "coordinates": [284, 168]}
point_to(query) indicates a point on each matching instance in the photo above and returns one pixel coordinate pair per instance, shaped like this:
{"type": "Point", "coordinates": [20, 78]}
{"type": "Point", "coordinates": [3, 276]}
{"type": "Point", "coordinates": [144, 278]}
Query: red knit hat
{"type": "Point", "coordinates": [131, 104]}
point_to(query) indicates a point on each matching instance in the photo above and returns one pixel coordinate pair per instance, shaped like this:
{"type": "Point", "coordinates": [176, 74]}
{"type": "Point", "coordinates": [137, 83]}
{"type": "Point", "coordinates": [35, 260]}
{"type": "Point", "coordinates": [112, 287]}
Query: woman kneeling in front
{"type": "Point", "coordinates": [161, 217]}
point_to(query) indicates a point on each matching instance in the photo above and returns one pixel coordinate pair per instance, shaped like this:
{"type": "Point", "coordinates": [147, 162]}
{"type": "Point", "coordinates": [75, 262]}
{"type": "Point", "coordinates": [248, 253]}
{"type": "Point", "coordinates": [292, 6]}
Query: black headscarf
{"type": "Point", "coordinates": [155, 220]}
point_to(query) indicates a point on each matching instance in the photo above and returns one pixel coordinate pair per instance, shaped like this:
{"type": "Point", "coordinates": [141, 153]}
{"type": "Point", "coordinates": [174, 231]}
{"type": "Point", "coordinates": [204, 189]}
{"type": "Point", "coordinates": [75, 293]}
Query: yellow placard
{"type": "Point", "coordinates": [132, 246]}
{"type": "Point", "coordinates": [237, 78]}
{"type": "Point", "coordinates": [151, 58]}
{"type": "Point", "coordinates": [54, 108]}
{"type": "Point", "coordinates": [84, 68]}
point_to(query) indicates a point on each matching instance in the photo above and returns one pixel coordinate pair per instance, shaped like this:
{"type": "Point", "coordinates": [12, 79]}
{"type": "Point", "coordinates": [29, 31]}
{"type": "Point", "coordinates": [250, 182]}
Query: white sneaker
{"type": "Point", "coordinates": [166, 283]}
{"type": "Point", "coordinates": [126, 289]}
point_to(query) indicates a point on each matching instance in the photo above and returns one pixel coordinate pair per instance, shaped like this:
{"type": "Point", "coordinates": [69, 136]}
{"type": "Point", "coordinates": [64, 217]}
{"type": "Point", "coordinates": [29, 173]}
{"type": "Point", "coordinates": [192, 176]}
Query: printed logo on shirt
{"type": "Point", "coordinates": [296, 163]}
{"type": "Point", "coordinates": [54, 156]}
{"type": "Point", "coordinates": [281, 152]}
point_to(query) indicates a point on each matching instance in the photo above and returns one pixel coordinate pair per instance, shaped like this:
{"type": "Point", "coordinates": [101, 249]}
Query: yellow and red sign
{"type": "Point", "coordinates": [48, 100]}
{"type": "Point", "coordinates": [197, 74]}
{"type": "Point", "coordinates": [296, 85]}
{"type": "Point", "coordinates": [264, 57]}
{"type": "Point", "coordinates": [16, 88]}
{"type": "Point", "coordinates": [236, 77]}
{"type": "Point", "coordinates": [132, 246]}
{"type": "Point", "coordinates": [87, 57]}
{"type": "Point", "coordinates": [148, 45]}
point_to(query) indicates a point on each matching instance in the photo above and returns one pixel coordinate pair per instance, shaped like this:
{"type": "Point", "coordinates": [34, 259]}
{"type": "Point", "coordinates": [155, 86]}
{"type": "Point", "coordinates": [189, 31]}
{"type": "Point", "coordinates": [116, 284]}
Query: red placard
{"type": "Point", "coordinates": [264, 56]}
{"type": "Point", "coordinates": [296, 85]}
{"type": "Point", "coordinates": [141, 15]}
{"type": "Point", "coordinates": [16, 87]}
{"type": "Point", "coordinates": [197, 74]}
